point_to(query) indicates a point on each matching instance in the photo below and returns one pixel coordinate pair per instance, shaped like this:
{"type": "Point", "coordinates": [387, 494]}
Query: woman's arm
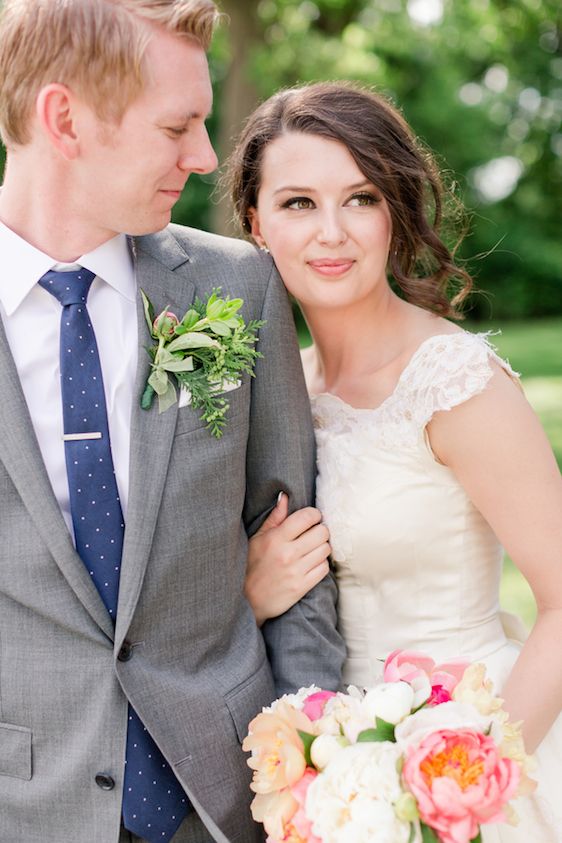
{"type": "Point", "coordinates": [286, 558]}
{"type": "Point", "coordinates": [497, 449]}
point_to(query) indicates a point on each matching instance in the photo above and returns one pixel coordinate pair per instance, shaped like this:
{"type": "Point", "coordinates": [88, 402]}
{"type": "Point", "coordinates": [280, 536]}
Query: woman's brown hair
{"type": "Point", "coordinates": [389, 156]}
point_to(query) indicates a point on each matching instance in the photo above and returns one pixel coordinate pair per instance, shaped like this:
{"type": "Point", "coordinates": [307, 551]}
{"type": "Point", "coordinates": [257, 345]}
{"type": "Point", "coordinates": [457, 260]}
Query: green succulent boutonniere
{"type": "Point", "coordinates": [206, 352]}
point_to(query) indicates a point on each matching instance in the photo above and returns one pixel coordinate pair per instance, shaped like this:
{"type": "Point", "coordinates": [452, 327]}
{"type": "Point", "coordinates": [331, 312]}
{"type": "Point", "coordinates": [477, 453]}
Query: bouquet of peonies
{"type": "Point", "coordinates": [426, 755]}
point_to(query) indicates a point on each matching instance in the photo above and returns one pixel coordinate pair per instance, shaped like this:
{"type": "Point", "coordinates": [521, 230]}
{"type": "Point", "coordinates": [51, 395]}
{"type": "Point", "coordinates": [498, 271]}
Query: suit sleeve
{"type": "Point", "coordinates": [303, 644]}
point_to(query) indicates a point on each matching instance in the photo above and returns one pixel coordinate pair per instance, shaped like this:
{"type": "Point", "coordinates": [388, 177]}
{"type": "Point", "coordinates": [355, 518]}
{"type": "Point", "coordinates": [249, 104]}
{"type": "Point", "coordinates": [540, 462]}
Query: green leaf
{"type": "Point", "coordinates": [148, 312]}
{"type": "Point", "coordinates": [192, 340]}
{"type": "Point", "coordinates": [428, 835]}
{"type": "Point", "coordinates": [368, 736]}
{"type": "Point", "coordinates": [167, 399]}
{"type": "Point", "coordinates": [147, 397]}
{"type": "Point", "coordinates": [478, 838]}
{"type": "Point", "coordinates": [158, 380]}
{"type": "Point", "coordinates": [214, 309]}
{"type": "Point", "coordinates": [386, 729]}
{"type": "Point", "coordinates": [190, 319]}
{"type": "Point", "coordinates": [233, 305]}
{"type": "Point", "coordinates": [307, 740]}
{"type": "Point", "coordinates": [383, 732]}
{"type": "Point", "coordinates": [178, 365]}
{"type": "Point", "coordinates": [220, 328]}
{"type": "Point", "coordinates": [234, 322]}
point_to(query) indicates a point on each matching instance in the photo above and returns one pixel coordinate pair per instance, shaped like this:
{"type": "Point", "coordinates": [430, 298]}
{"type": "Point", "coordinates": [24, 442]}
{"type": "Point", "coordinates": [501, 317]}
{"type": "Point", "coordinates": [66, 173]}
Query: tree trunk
{"type": "Point", "coordinates": [238, 95]}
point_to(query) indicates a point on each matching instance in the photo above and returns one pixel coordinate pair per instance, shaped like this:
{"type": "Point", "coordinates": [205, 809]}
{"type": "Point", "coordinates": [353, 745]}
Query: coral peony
{"type": "Point", "coordinates": [460, 781]}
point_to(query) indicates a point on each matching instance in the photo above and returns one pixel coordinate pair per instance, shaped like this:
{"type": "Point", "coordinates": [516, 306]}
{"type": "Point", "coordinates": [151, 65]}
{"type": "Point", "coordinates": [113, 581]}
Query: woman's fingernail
{"type": "Point", "coordinates": [279, 497]}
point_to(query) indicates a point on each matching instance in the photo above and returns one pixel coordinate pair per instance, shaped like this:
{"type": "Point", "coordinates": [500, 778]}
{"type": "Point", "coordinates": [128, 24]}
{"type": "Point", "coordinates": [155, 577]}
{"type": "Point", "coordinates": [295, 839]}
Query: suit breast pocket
{"type": "Point", "coordinates": [15, 751]}
{"type": "Point", "coordinates": [189, 419]}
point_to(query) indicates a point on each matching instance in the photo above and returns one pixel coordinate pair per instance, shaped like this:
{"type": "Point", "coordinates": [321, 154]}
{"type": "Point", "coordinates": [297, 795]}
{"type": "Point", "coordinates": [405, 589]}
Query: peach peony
{"type": "Point", "coordinates": [274, 811]}
{"type": "Point", "coordinates": [477, 690]}
{"type": "Point", "coordinates": [277, 750]}
{"type": "Point", "coordinates": [460, 781]}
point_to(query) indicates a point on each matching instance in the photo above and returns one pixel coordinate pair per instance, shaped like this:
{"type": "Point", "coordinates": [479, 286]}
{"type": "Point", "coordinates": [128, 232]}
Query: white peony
{"type": "Point", "coordinates": [296, 700]}
{"type": "Point", "coordinates": [352, 800]}
{"type": "Point", "coordinates": [344, 714]}
{"type": "Point", "coordinates": [325, 747]}
{"type": "Point", "coordinates": [391, 701]}
{"type": "Point", "coordinates": [449, 715]}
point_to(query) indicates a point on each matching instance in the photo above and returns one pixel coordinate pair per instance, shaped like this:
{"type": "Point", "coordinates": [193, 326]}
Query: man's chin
{"type": "Point", "coordinates": [153, 226]}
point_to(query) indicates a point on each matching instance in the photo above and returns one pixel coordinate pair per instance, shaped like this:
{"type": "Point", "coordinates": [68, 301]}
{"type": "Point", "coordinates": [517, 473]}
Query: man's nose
{"type": "Point", "coordinates": [200, 157]}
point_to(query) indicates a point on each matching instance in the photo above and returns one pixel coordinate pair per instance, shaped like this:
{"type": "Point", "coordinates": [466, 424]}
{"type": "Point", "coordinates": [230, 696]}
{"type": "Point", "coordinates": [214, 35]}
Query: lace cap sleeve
{"type": "Point", "coordinates": [448, 370]}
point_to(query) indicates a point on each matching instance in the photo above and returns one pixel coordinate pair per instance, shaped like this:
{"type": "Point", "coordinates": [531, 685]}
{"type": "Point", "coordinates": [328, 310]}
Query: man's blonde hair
{"type": "Point", "coordinates": [96, 47]}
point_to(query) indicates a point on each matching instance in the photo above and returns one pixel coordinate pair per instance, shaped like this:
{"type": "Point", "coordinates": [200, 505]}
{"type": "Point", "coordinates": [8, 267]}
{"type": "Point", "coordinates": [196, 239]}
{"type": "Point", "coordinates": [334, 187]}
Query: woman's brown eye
{"type": "Point", "coordinates": [299, 203]}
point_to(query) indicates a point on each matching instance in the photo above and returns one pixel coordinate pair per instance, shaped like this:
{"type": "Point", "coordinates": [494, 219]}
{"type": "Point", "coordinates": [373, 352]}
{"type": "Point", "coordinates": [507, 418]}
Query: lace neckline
{"type": "Point", "coordinates": [402, 377]}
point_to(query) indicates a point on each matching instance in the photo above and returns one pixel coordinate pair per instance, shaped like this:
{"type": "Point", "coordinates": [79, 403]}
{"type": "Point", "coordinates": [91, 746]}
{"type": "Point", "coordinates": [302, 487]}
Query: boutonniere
{"type": "Point", "coordinates": [206, 352]}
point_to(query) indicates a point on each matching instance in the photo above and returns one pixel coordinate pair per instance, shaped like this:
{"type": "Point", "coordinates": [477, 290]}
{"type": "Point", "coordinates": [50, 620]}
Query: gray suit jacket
{"type": "Point", "coordinates": [199, 669]}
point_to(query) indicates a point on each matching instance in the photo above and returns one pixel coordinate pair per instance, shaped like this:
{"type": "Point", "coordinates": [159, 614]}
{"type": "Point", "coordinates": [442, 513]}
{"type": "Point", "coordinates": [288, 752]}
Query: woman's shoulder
{"type": "Point", "coordinates": [450, 368]}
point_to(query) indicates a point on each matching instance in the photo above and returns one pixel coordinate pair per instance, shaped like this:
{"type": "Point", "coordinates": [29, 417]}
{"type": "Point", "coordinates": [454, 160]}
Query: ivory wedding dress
{"type": "Point", "coordinates": [417, 565]}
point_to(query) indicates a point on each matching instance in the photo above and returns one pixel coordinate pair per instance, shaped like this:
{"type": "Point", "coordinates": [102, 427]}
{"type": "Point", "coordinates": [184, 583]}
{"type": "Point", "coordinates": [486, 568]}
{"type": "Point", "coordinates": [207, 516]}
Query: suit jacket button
{"type": "Point", "coordinates": [126, 651]}
{"type": "Point", "coordinates": [104, 781]}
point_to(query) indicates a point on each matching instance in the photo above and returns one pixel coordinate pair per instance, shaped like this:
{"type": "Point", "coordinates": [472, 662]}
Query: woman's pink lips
{"type": "Point", "coordinates": [331, 266]}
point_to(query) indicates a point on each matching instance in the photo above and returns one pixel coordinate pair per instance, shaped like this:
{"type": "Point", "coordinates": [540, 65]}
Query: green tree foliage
{"type": "Point", "coordinates": [479, 80]}
{"type": "Point", "coordinates": [481, 83]}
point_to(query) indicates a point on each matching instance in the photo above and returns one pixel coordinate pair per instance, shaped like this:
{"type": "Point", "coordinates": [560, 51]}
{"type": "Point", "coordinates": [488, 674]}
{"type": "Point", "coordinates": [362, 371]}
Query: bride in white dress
{"type": "Point", "coordinates": [430, 459]}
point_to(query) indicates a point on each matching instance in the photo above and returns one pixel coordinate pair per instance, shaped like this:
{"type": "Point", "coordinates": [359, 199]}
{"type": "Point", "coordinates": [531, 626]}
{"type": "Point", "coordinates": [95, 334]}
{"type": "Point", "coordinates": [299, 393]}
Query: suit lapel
{"type": "Point", "coordinates": [156, 257]}
{"type": "Point", "coordinates": [20, 453]}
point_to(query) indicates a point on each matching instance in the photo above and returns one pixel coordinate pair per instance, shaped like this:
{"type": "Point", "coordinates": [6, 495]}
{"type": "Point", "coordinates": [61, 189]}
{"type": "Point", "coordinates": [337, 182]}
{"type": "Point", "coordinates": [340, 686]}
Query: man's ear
{"type": "Point", "coordinates": [255, 229]}
{"type": "Point", "coordinates": [55, 113]}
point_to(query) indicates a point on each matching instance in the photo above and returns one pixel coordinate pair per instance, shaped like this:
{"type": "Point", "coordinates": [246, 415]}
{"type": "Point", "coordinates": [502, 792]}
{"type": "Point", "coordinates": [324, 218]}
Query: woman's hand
{"type": "Point", "coordinates": [286, 558]}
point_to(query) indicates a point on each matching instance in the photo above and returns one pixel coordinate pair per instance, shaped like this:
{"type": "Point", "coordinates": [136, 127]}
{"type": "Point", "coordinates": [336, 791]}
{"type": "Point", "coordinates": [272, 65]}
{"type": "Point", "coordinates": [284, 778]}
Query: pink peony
{"type": "Point", "coordinates": [421, 672]}
{"type": "Point", "coordinates": [460, 781]}
{"type": "Point", "coordinates": [439, 695]}
{"type": "Point", "coordinates": [300, 821]}
{"type": "Point", "coordinates": [314, 704]}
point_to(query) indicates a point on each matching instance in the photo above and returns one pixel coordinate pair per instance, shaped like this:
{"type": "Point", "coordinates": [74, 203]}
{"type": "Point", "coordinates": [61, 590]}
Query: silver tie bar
{"type": "Point", "coordinates": [76, 437]}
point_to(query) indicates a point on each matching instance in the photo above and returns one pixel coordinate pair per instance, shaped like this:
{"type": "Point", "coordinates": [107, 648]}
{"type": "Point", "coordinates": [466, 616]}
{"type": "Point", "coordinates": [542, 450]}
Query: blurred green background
{"type": "Point", "coordinates": [481, 83]}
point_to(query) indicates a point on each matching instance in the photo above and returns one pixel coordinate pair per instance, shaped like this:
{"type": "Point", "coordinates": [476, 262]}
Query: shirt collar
{"type": "Point", "coordinates": [23, 265]}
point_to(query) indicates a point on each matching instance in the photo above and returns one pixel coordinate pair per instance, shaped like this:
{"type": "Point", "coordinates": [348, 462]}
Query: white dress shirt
{"type": "Point", "coordinates": [31, 318]}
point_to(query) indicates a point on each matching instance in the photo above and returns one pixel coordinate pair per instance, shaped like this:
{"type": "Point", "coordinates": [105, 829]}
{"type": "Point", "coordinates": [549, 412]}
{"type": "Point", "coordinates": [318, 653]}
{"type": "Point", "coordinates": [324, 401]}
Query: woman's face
{"type": "Point", "coordinates": [327, 227]}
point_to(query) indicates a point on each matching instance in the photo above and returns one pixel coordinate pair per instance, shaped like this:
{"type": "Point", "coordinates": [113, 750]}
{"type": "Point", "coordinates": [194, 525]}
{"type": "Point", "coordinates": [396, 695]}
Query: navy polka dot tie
{"type": "Point", "coordinates": [154, 804]}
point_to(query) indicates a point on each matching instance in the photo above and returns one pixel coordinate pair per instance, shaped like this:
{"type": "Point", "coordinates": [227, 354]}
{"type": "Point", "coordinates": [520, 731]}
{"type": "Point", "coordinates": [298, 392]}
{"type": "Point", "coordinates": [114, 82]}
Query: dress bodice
{"type": "Point", "coordinates": [417, 565]}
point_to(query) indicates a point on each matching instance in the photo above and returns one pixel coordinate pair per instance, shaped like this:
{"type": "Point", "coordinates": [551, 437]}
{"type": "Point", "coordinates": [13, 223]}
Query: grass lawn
{"type": "Point", "coordinates": [534, 348]}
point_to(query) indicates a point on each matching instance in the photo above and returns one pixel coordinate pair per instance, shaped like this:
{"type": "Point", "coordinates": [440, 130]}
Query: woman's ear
{"type": "Point", "coordinates": [255, 229]}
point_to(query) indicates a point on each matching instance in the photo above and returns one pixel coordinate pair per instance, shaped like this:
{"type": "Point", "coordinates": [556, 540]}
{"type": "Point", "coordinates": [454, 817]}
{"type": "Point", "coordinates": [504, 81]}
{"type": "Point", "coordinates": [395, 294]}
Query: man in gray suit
{"type": "Point", "coordinates": [130, 661]}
